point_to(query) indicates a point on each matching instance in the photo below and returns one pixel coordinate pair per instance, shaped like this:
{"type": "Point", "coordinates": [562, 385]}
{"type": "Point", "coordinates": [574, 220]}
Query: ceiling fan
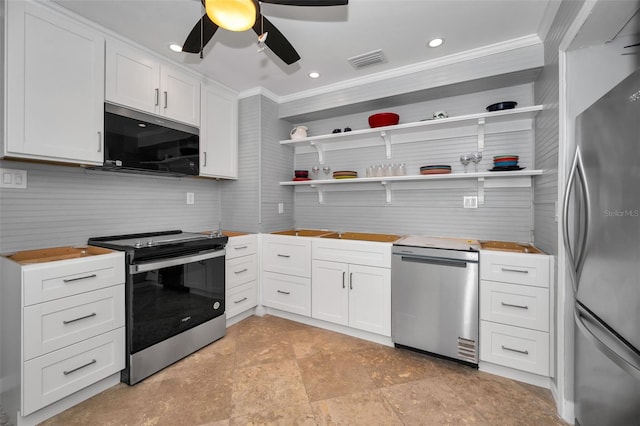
{"type": "Point", "coordinates": [249, 12]}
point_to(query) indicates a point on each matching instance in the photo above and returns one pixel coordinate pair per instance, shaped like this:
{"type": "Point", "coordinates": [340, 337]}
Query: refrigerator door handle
{"type": "Point", "coordinates": [630, 366]}
{"type": "Point", "coordinates": [575, 262]}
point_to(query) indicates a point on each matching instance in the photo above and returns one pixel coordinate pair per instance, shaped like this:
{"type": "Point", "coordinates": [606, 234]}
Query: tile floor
{"type": "Point", "coordinates": [268, 370]}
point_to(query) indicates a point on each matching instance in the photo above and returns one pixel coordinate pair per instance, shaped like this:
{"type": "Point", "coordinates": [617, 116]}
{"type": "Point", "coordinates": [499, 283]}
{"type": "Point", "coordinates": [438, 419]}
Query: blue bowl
{"type": "Point", "coordinates": [505, 163]}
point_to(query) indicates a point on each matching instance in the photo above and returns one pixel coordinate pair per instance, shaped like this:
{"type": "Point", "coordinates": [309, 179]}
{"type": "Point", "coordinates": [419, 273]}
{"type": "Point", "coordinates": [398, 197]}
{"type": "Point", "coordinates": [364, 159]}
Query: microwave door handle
{"type": "Point", "coordinates": [631, 366]}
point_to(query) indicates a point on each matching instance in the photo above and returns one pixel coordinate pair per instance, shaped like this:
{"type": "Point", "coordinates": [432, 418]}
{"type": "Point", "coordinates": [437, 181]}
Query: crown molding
{"type": "Point", "coordinates": [259, 91]}
{"type": "Point", "coordinates": [505, 46]}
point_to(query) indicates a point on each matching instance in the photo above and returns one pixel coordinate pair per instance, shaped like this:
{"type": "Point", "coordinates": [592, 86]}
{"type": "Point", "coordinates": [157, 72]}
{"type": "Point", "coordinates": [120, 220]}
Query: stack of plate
{"type": "Point", "coordinates": [505, 163]}
{"type": "Point", "coordinates": [345, 174]}
{"type": "Point", "coordinates": [436, 169]}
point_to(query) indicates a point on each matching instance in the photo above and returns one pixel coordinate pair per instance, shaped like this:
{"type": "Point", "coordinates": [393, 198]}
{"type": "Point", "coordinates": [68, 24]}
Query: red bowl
{"type": "Point", "coordinates": [383, 119]}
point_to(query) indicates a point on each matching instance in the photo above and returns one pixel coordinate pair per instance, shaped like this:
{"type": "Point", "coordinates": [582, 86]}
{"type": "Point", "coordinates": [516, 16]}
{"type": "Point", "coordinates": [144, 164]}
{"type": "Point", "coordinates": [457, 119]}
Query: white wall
{"type": "Point", "coordinates": [66, 205]}
{"type": "Point", "coordinates": [427, 208]}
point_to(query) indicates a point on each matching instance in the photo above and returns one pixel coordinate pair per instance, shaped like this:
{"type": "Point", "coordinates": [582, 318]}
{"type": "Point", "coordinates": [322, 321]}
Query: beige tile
{"type": "Point", "coordinates": [301, 415]}
{"type": "Point", "coordinates": [266, 369]}
{"type": "Point", "coordinates": [267, 386]}
{"type": "Point", "coordinates": [328, 376]}
{"type": "Point", "coordinates": [502, 401]}
{"type": "Point", "coordinates": [259, 351]}
{"type": "Point", "coordinates": [364, 408]}
{"type": "Point", "coordinates": [431, 402]}
{"type": "Point", "coordinates": [390, 366]}
{"type": "Point", "coordinates": [314, 341]}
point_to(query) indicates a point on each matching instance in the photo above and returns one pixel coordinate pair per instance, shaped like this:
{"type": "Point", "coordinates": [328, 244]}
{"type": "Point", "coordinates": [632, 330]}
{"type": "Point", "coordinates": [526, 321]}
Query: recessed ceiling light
{"type": "Point", "coordinates": [314, 74]}
{"type": "Point", "coordinates": [436, 42]}
{"type": "Point", "coordinates": [142, 125]}
{"type": "Point", "coordinates": [175, 47]}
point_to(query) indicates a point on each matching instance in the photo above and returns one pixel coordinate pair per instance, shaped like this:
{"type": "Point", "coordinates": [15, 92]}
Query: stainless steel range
{"type": "Point", "coordinates": [175, 293]}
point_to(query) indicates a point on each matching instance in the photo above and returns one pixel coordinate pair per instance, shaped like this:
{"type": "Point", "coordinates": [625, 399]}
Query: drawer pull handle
{"type": "Point", "coordinates": [93, 314]}
{"type": "Point", "coordinates": [343, 275]}
{"type": "Point", "coordinates": [241, 271]}
{"type": "Point", "coordinates": [69, 280]}
{"type": "Point", "coordinates": [66, 373]}
{"type": "Point", "coordinates": [522, 271]}
{"type": "Point", "coordinates": [515, 306]}
{"type": "Point", "coordinates": [284, 292]}
{"type": "Point", "coordinates": [284, 255]}
{"type": "Point", "coordinates": [515, 350]}
{"type": "Point", "coordinates": [241, 300]}
{"type": "Point", "coordinates": [240, 247]}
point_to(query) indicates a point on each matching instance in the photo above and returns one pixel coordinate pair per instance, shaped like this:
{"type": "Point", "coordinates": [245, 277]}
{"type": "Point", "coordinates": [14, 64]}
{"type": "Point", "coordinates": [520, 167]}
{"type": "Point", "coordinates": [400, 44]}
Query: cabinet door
{"type": "Point", "coordinates": [55, 86]}
{"type": "Point", "coordinates": [180, 96]}
{"type": "Point", "coordinates": [329, 292]}
{"type": "Point", "coordinates": [370, 299]}
{"type": "Point", "coordinates": [132, 78]}
{"type": "Point", "coordinates": [219, 133]}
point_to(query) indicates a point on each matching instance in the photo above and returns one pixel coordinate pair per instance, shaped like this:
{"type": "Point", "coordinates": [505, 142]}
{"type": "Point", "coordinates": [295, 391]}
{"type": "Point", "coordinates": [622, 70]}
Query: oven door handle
{"type": "Point", "coordinates": [174, 261]}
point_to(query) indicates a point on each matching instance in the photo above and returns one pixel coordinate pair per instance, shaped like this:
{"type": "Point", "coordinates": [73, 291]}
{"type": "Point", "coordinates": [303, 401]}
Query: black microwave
{"type": "Point", "coordinates": [136, 142]}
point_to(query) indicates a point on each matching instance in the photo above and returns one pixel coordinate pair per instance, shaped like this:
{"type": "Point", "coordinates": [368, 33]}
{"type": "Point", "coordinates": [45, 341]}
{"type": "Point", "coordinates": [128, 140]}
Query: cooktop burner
{"type": "Point", "coordinates": [150, 245]}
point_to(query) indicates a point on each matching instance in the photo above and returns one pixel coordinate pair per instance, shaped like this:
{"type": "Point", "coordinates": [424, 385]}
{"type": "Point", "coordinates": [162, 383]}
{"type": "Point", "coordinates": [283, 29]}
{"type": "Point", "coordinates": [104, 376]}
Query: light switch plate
{"type": "Point", "coordinates": [470, 202]}
{"type": "Point", "coordinates": [13, 178]}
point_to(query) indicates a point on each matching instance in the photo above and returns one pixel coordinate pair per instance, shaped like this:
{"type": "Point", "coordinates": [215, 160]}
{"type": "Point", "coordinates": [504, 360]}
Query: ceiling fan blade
{"type": "Point", "coordinates": [276, 41]}
{"type": "Point", "coordinates": [308, 2]}
{"type": "Point", "coordinates": [196, 40]}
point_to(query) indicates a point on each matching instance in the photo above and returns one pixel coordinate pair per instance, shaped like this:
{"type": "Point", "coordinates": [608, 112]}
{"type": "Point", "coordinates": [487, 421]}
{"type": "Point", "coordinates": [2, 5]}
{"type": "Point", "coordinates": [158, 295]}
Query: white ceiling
{"type": "Point", "coordinates": [323, 36]}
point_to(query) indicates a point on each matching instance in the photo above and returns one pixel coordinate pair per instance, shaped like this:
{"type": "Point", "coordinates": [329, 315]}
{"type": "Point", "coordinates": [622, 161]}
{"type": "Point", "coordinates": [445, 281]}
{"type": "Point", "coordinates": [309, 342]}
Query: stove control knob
{"type": "Point", "coordinates": [138, 244]}
{"type": "Point", "coordinates": [150, 243]}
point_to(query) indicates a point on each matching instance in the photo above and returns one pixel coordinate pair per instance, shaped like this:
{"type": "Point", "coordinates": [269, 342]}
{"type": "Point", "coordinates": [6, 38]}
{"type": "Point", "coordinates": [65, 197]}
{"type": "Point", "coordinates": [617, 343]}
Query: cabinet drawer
{"type": "Point", "coordinates": [241, 298]}
{"type": "Point", "coordinates": [513, 304]}
{"type": "Point", "coordinates": [287, 293]}
{"type": "Point", "coordinates": [241, 270]}
{"type": "Point", "coordinates": [287, 255]}
{"type": "Point", "coordinates": [55, 375]}
{"type": "Point", "coordinates": [54, 280]}
{"type": "Point", "coordinates": [241, 246]}
{"type": "Point", "coordinates": [356, 252]}
{"type": "Point", "coordinates": [53, 325]}
{"type": "Point", "coordinates": [516, 268]}
{"type": "Point", "coordinates": [515, 347]}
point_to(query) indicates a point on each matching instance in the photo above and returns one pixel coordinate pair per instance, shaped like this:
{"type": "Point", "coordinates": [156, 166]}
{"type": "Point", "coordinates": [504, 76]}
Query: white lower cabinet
{"type": "Point", "coordinates": [515, 317]}
{"type": "Point", "coordinates": [352, 295]}
{"type": "Point", "coordinates": [287, 292]}
{"type": "Point", "coordinates": [241, 274]}
{"type": "Point", "coordinates": [62, 329]}
{"type": "Point", "coordinates": [515, 347]}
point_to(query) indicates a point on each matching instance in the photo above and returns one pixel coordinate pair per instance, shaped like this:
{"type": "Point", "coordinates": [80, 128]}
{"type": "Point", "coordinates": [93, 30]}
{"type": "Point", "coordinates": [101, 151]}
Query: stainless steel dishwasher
{"type": "Point", "coordinates": [434, 297]}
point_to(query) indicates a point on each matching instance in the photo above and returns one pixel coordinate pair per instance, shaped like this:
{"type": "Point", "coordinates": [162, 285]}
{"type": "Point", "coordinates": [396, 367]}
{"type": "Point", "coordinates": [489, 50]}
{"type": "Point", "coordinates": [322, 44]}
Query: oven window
{"type": "Point", "coordinates": [168, 301]}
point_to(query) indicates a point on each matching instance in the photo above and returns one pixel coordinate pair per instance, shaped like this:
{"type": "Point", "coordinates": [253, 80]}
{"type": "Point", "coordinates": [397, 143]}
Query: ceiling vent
{"type": "Point", "coordinates": [367, 59]}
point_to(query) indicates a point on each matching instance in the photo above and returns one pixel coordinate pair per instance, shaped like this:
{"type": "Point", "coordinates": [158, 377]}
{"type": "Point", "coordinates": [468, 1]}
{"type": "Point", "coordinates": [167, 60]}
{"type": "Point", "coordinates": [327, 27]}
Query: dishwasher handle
{"type": "Point", "coordinates": [437, 261]}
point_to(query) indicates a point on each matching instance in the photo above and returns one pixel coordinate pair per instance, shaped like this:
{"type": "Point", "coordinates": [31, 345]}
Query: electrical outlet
{"type": "Point", "coordinates": [470, 202]}
{"type": "Point", "coordinates": [190, 198]}
{"type": "Point", "coordinates": [280, 208]}
{"type": "Point", "coordinates": [12, 178]}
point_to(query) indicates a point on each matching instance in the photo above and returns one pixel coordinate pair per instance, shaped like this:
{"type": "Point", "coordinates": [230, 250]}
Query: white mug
{"type": "Point", "coordinates": [299, 132]}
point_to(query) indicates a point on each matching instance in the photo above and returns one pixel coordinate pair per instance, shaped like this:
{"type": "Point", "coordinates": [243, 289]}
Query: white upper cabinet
{"type": "Point", "coordinates": [219, 133]}
{"type": "Point", "coordinates": [136, 80]}
{"type": "Point", "coordinates": [55, 87]}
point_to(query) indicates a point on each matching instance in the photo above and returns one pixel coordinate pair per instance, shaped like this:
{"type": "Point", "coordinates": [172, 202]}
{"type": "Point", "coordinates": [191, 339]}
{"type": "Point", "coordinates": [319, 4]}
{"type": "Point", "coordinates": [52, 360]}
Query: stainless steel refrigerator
{"type": "Point", "coordinates": [602, 242]}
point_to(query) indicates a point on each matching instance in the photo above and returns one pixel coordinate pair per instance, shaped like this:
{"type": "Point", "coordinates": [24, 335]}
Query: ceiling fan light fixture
{"type": "Point", "coordinates": [232, 15]}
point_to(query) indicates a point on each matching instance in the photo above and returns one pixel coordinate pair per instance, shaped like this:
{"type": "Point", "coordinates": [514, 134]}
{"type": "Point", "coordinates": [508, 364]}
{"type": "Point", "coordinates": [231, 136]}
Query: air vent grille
{"type": "Point", "coordinates": [367, 59]}
{"type": "Point", "coordinates": [467, 349]}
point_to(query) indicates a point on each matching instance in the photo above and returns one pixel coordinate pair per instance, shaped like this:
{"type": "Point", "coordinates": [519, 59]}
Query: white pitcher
{"type": "Point", "coordinates": [299, 132]}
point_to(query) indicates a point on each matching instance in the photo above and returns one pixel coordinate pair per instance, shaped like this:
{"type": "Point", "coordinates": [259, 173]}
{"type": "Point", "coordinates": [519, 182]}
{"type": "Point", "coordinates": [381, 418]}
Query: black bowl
{"type": "Point", "coordinates": [502, 105]}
